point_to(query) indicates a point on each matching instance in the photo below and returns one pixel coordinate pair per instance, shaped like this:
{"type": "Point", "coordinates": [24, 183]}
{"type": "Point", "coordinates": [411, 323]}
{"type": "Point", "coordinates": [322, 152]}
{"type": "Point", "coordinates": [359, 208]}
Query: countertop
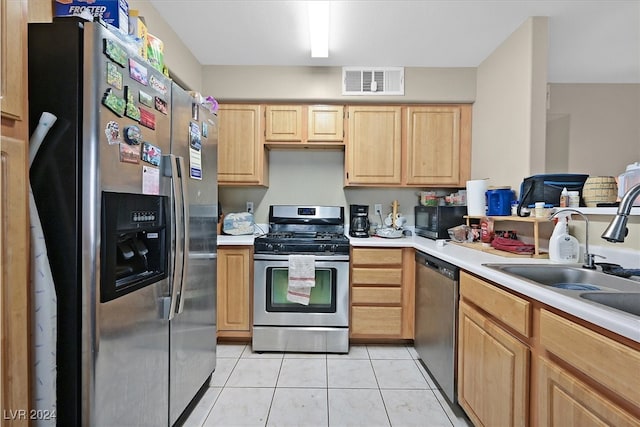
{"type": "Point", "coordinates": [472, 260]}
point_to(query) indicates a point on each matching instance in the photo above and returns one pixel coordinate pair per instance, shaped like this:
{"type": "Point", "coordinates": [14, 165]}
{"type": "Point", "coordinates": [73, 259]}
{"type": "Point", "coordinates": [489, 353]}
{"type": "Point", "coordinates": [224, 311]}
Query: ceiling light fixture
{"type": "Point", "coordinates": [319, 28]}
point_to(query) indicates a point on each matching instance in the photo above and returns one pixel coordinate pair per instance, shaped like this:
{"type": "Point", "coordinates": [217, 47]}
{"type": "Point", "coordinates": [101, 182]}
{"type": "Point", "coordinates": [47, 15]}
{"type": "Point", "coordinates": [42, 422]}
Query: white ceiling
{"type": "Point", "coordinates": [590, 41]}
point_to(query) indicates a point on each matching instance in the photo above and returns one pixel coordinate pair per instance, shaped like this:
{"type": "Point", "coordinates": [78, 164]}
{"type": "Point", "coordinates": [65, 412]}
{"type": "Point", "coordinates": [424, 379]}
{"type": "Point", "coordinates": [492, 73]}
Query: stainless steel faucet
{"type": "Point", "coordinates": [617, 229]}
{"type": "Point", "coordinates": [588, 257]}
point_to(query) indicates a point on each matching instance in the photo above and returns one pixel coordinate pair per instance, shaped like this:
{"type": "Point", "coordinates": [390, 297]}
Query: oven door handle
{"type": "Point", "coordinates": [284, 257]}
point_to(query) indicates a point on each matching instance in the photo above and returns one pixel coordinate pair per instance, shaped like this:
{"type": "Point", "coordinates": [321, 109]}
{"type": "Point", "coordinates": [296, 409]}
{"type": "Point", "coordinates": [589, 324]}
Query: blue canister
{"type": "Point", "coordinates": [499, 201]}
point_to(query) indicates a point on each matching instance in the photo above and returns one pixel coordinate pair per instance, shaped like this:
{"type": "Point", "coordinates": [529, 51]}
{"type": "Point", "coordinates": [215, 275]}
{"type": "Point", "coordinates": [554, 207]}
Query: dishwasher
{"type": "Point", "coordinates": [436, 328]}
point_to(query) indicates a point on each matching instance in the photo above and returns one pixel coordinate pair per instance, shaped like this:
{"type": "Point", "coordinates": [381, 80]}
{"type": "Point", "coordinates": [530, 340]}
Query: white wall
{"type": "Point", "coordinates": [244, 83]}
{"type": "Point", "coordinates": [183, 66]}
{"type": "Point", "coordinates": [509, 113]}
{"type": "Point", "coordinates": [593, 128]}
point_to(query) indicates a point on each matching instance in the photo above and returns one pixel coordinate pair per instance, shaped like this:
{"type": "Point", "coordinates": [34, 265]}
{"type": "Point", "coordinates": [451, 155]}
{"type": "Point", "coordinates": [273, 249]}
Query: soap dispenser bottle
{"type": "Point", "coordinates": [563, 247]}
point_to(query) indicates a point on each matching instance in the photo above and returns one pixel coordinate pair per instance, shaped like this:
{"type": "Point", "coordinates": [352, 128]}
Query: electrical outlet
{"type": "Point", "coordinates": [250, 207]}
{"type": "Point", "coordinates": [378, 208]}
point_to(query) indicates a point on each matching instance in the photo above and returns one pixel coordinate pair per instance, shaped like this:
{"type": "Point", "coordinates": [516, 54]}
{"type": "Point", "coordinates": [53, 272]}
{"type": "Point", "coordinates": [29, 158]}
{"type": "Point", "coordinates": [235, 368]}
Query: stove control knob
{"type": "Point", "coordinates": [334, 248]}
{"type": "Point", "coordinates": [322, 248]}
{"type": "Point", "coordinates": [279, 247]}
{"type": "Point", "coordinates": [269, 247]}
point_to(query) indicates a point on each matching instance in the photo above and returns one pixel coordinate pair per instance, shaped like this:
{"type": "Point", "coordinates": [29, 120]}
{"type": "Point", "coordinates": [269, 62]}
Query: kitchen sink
{"type": "Point", "coordinates": [626, 301]}
{"type": "Point", "coordinates": [567, 277]}
{"type": "Point", "coordinates": [580, 283]}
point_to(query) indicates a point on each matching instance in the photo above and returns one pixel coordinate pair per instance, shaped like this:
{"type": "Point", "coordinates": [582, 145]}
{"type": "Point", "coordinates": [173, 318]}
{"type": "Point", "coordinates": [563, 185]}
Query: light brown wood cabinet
{"type": "Point", "coordinates": [585, 378]}
{"type": "Point", "coordinates": [304, 125]}
{"type": "Point", "coordinates": [382, 293]}
{"type": "Point", "coordinates": [235, 279]}
{"type": "Point", "coordinates": [523, 363]}
{"type": "Point", "coordinates": [493, 363]}
{"type": "Point", "coordinates": [438, 145]}
{"type": "Point", "coordinates": [564, 400]}
{"type": "Point", "coordinates": [15, 320]}
{"type": "Point", "coordinates": [421, 146]}
{"type": "Point", "coordinates": [374, 148]}
{"type": "Point", "coordinates": [242, 159]}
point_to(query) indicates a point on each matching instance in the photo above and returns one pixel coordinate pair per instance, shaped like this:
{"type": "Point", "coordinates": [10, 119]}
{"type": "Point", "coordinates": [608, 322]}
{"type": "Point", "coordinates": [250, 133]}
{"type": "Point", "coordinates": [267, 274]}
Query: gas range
{"type": "Point", "coordinates": [282, 319]}
{"type": "Point", "coordinates": [289, 243]}
{"type": "Point", "coordinates": [304, 229]}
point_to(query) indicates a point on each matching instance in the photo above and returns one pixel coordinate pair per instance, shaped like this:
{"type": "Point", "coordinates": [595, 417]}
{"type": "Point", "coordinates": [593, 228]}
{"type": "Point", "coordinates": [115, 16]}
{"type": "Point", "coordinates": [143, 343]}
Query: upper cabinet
{"type": "Point", "coordinates": [385, 145]}
{"type": "Point", "coordinates": [425, 145]}
{"type": "Point", "coordinates": [283, 123]}
{"type": "Point", "coordinates": [373, 151]}
{"type": "Point", "coordinates": [304, 125]}
{"type": "Point", "coordinates": [438, 145]}
{"type": "Point", "coordinates": [241, 153]}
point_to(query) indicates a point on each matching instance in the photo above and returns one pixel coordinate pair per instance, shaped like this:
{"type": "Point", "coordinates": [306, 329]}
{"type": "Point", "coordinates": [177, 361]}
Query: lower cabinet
{"type": "Point", "coordinates": [235, 271]}
{"type": "Point", "coordinates": [586, 378]}
{"type": "Point", "coordinates": [564, 400]}
{"type": "Point", "coordinates": [522, 363]}
{"type": "Point", "coordinates": [382, 293]}
{"type": "Point", "coordinates": [493, 371]}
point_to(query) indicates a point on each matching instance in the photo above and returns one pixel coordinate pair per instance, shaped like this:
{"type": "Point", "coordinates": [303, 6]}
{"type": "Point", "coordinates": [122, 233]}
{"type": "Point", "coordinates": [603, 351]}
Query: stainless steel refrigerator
{"type": "Point", "coordinates": [125, 185]}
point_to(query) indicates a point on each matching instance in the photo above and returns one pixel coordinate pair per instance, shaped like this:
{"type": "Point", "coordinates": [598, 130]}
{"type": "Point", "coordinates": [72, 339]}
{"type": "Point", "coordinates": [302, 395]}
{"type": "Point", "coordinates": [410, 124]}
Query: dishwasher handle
{"type": "Point", "coordinates": [444, 268]}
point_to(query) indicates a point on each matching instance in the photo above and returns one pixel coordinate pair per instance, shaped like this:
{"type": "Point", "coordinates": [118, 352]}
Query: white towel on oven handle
{"type": "Point", "coordinates": [302, 277]}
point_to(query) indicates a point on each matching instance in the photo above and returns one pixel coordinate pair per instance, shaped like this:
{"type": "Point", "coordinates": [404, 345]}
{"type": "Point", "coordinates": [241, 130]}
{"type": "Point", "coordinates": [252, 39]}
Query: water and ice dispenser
{"type": "Point", "coordinates": [134, 243]}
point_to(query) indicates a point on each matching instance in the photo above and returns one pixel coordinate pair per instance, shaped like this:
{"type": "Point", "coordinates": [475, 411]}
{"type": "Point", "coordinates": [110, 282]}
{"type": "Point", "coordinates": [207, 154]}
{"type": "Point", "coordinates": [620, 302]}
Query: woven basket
{"type": "Point", "coordinates": [599, 189]}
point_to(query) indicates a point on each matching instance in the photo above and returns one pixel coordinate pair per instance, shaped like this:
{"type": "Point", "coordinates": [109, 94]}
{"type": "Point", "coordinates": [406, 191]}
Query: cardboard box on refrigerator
{"type": "Point", "coordinates": [138, 29]}
{"type": "Point", "coordinates": [113, 12]}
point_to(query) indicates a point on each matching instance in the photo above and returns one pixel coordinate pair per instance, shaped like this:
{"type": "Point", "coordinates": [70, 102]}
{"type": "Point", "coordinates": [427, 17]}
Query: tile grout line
{"type": "Point", "coordinates": [222, 387]}
{"type": "Point", "coordinates": [275, 388]}
{"type": "Point", "coordinates": [384, 404]}
{"type": "Point", "coordinates": [326, 374]}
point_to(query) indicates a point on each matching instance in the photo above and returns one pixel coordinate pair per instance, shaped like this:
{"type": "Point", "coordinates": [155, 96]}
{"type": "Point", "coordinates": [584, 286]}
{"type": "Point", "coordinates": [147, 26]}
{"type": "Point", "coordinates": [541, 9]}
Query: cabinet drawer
{"type": "Point", "coordinates": [376, 276]}
{"type": "Point", "coordinates": [608, 362]}
{"type": "Point", "coordinates": [514, 311]}
{"type": "Point", "coordinates": [371, 295]}
{"type": "Point", "coordinates": [371, 256]}
{"type": "Point", "coordinates": [376, 321]}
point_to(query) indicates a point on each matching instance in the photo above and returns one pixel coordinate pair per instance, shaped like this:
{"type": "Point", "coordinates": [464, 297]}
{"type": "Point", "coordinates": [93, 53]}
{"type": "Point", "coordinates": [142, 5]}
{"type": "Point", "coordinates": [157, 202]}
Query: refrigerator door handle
{"type": "Point", "coordinates": [173, 172]}
{"type": "Point", "coordinates": [185, 233]}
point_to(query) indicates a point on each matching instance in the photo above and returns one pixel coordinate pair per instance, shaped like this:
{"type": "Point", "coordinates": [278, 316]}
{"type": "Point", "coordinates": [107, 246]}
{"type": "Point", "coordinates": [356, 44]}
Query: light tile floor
{"type": "Point", "coordinates": [372, 385]}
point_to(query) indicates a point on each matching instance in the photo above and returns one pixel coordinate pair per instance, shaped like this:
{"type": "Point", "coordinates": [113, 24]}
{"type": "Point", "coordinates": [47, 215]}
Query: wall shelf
{"type": "Point", "coordinates": [526, 219]}
{"type": "Point", "coordinates": [604, 211]}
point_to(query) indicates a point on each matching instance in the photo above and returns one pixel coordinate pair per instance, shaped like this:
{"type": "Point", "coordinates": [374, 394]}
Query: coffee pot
{"type": "Point", "coordinates": [359, 225]}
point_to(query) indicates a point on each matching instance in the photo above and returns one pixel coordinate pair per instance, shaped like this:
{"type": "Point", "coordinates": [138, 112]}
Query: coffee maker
{"type": "Point", "coordinates": [359, 221]}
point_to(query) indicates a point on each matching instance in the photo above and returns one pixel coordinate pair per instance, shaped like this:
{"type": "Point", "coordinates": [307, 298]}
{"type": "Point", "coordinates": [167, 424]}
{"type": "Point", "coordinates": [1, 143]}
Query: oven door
{"type": "Point", "coordinates": [329, 300]}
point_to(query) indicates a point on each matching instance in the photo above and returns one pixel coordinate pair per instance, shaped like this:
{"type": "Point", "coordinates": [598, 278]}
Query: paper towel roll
{"type": "Point", "coordinates": [476, 201]}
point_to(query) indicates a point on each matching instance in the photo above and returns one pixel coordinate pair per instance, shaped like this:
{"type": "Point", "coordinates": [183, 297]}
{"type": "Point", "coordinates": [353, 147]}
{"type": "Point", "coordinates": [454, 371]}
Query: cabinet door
{"type": "Point", "coordinates": [493, 380]}
{"type": "Point", "coordinates": [283, 123]}
{"type": "Point", "coordinates": [434, 145]}
{"type": "Point", "coordinates": [14, 280]}
{"type": "Point", "coordinates": [234, 290]}
{"type": "Point", "coordinates": [325, 123]}
{"type": "Point", "coordinates": [13, 26]}
{"type": "Point", "coordinates": [373, 150]}
{"type": "Point", "coordinates": [241, 155]}
{"type": "Point", "coordinates": [563, 400]}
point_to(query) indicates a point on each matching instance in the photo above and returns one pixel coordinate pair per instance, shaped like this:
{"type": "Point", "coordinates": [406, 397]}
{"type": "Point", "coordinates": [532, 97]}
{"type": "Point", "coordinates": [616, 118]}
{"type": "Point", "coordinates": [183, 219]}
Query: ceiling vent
{"type": "Point", "coordinates": [373, 81]}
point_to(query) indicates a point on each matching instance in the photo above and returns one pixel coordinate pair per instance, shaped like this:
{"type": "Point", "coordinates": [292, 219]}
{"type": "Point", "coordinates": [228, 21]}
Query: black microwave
{"type": "Point", "coordinates": [434, 221]}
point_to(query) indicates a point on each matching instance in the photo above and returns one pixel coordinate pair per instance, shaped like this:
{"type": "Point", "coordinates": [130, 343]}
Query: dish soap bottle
{"type": "Point", "coordinates": [563, 247]}
{"type": "Point", "coordinates": [564, 198]}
